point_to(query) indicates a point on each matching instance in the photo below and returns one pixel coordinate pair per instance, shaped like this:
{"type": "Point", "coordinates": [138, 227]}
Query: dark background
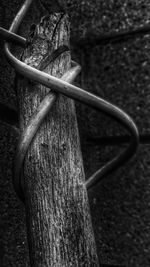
{"type": "Point", "coordinates": [119, 72]}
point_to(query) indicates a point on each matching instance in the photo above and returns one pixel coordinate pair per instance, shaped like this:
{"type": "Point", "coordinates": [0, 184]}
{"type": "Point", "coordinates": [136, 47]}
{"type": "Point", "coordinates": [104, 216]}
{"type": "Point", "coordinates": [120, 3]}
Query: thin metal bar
{"type": "Point", "coordinates": [91, 39]}
{"type": "Point", "coordinates": [12, 37]}
{"type": "Point", "coordinates": [115, 140]}
{"type": "Point", "coordinates": [9, 115]}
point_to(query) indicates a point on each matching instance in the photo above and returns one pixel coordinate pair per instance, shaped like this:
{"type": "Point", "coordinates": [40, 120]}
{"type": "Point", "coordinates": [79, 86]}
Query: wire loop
{"type": "Point", "coordinates": [62, 86]}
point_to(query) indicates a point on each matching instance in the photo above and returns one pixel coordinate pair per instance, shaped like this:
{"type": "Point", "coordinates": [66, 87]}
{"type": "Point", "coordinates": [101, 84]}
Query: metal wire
{"type": "Point", "coordinates": [33, 125]}
{"type": "Point", "coordinates": [12, 37]}
{"type": "Point", "coordinates": [62, 86]}
{"type": "Point", "coordinates": [92, 39]}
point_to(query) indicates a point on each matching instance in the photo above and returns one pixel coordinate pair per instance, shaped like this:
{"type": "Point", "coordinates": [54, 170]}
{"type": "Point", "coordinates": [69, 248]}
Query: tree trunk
{"type": "Point", "coordinates": [57, 210]}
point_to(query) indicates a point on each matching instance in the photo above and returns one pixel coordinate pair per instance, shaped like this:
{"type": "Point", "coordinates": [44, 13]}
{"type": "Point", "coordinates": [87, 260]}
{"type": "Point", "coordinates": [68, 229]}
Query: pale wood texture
{"type": "Point", "coordinates": [58, 217]}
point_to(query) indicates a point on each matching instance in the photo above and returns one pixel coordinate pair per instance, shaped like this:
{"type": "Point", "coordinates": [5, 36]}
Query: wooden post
{"type": "Point", "coordinates": [58, 217]}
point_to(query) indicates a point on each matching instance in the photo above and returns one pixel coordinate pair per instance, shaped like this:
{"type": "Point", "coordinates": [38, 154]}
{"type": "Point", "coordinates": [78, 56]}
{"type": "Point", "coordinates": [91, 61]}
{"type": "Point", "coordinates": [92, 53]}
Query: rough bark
{"type": "Point", "coordinates": [58, 217]}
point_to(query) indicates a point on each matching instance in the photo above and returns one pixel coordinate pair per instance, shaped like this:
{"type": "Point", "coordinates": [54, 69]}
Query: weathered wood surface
{"type": "Point", "coordinates": [58, 217]}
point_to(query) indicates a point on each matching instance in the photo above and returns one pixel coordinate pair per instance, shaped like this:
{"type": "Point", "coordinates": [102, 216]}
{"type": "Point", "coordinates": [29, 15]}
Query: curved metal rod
{"type": "Point", "coordinates": [63, 87]}
{"type": "Point", "coordinates": [32, 127]}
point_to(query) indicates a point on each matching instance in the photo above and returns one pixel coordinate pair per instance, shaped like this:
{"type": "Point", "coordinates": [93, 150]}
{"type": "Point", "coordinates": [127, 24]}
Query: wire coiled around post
{"type": "Point", "coordinates": [62, 86]}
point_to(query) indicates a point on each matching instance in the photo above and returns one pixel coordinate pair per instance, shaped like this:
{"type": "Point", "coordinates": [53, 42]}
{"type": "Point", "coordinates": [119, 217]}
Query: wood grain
{"type": "Point", "coordinates": [58, 216]}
